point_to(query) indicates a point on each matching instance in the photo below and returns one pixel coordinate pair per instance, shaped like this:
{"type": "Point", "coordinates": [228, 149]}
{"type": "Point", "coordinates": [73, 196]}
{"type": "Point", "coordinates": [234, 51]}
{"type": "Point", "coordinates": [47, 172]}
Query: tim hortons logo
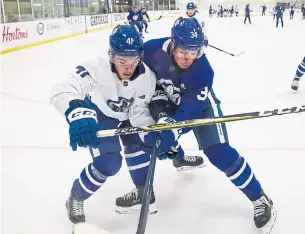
{"type": "Point", "coordinates": [13, 34]}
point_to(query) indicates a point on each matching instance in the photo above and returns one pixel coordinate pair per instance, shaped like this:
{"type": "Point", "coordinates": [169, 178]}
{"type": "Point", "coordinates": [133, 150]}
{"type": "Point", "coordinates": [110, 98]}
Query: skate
{"type": "Point", "coordinates": [264, 214]}
{"type": "Point", "coordinates": [295, 83]}
{"type": "Point", "coordinates": [75, 210]}
{"type": "Point", "coordinates": [131, 202]}
{"type": "Point", "coordinates": [188, 163]}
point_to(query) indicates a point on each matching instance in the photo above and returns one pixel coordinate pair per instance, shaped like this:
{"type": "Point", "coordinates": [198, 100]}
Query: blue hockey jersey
{"type": "Point", "coordinates": [189, 91]}
{"type": "Point", "coordinates": [135, 17]}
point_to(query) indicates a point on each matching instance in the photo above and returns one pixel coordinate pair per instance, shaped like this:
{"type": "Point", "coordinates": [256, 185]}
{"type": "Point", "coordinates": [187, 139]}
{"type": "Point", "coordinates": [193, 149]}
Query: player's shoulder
{"type": "Point", "coordinates": [204, 68]}
{"type": "Point", "coordinates": [150, 76]}
{"type": "Point", "coordinates": [155, 49]}
{"type": "Point", "coordinates": [155, 44]}
{"type": "Point", "coordinates": [203, 63]}
{"type": "Point", "coordinates": [96, 67]}
{"type": "Point", "coordinates": [97, 63]}
{"type": "Point", "coordinates": [146, 79]}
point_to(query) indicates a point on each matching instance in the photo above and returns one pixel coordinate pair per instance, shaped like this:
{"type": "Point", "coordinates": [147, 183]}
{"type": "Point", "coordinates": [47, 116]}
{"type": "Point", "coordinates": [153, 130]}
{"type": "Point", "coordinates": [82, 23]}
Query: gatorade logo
{"type": "Point", "coordinates": [98, 20]}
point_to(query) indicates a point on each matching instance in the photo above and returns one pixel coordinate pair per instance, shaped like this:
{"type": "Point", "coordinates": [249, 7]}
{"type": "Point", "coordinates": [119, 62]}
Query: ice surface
{"type": "Point", "coordinates": [38, 167]}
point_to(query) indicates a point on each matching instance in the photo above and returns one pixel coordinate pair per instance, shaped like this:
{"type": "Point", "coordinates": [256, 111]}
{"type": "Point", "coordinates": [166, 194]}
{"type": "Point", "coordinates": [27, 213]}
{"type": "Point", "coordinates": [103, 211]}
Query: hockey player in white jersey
{"type": "Point", "coordinates": [101, 94]}
{"type": "Point", "coordinates": [191, 12]}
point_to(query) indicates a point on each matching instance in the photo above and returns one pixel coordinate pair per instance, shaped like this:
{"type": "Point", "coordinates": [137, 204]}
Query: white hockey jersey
{"type": "Point", "coordinates": [198, 18]}
{"type": "Point", "coordinates": [116, 98]}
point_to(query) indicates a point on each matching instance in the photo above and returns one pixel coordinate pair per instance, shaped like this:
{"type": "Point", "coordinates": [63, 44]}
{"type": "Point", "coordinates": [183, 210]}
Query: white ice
{"type": "Point", "coordinates": [38, 167]}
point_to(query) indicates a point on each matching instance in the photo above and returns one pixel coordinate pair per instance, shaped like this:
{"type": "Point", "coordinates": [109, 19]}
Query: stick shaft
{"type": "Point", "coordinates": [202, 122]}
{"type": "Point", "coordinates": [147, 191]}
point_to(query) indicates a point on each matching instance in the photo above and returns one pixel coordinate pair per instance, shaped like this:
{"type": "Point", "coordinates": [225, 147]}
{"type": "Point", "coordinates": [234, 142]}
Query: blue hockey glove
{"type": "Point", "coordinates": [83, 125]}
{"type": "Point", "coordinates": [167, 138]}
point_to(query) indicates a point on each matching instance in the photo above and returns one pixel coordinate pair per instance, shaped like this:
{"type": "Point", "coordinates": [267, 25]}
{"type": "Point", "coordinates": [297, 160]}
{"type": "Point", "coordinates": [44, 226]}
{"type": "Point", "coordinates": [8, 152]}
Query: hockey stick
{"type": "Point", "coordinates": [236, 55]}
{"type": "Point", "coordinates": [147, 191]}
{"type": "Point", "coordinates": [201, 122]}
{"type": "Point", "coordinates": [158, 18]}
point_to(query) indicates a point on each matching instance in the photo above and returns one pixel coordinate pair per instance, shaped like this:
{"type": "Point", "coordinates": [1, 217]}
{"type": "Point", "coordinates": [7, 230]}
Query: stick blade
{"type": "Point", "coordinates": [87, 228]}
{"type": "Point", "coordinates": [240, 53]}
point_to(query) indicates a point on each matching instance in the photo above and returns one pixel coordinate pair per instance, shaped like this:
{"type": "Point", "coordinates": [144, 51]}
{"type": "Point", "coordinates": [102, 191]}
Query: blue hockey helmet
{"type": "Point", "coordinates": [187, 34]}
{"type": "Point", "coordinates": [191, 6]}
{"type": "Point", "coordinates": [126, 40]}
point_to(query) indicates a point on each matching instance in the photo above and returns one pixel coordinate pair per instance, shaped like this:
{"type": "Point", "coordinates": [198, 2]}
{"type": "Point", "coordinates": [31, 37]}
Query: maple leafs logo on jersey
{"type": "Point", "coordinates": [122, 105]}
{"type": "Point", "coordinates": [171, 68]}
{"type": "Point", "coordinates": [171, 90]}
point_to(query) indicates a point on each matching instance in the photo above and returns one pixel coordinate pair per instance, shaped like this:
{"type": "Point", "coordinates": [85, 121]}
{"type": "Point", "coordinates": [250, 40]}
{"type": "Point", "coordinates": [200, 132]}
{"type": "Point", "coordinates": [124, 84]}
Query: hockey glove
{"type": "Point", "coordinates": [167, 138]}
{"type": "Point", "coordinates": [83, 125]}
{"type": "Point", "coordinates": [205, 41]}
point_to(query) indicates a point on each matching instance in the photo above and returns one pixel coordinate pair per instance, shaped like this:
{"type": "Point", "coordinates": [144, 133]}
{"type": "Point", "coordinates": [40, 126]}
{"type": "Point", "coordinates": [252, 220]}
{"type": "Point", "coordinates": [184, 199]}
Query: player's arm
{"type": "Point", "coordinates": [159, 104]}
{"type": "Point", "coordinates": [130, 17]}
{"type": "Point", "coordinates": [68, 98]}
{"type": "Point", "coordinates": [147, 16]}
{"type": "Point", "coordinates": [75, 86]}
{"type": "Point", "coordinates": [191, 104]}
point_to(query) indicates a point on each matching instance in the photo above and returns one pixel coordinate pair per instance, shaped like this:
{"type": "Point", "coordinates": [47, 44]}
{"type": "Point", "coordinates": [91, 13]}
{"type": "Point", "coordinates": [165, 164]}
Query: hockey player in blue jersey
{"type": "Point", "coordinates": [191, 12]}
{"type": "Point", "coordinates": [135, 17]}
{"type": "Point", "coordinates": [292, 9]}
{"type": "Point", "coordinates": [299, 73]}
{"type": "Point", "coordinates": [279, 15]}
{"type": "Point", "coordinates": [185, 91]}
{"type": "Point", "coordinates": [247, 14]}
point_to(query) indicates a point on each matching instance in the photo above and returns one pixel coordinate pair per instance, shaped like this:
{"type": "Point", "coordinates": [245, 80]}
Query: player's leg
{"type": "Point", "coordinates": [186, 162]}
{"type": "Point", "coordinates": [213, 139]}
{"type": "Point", "coordinates": [140, 27]}
{"type": "Point", "coordinates": [299, 73]}
{"type": "Point", "coordinates": [137, 161]}
{"type": "Point", "coordinates": [277, 21]}
{"type": "Point", "coordinates": [145, 25]}
{"type": "Point", "coordinates": [107, 161]}
{"type": "Point", "coordinates": [282, 22]}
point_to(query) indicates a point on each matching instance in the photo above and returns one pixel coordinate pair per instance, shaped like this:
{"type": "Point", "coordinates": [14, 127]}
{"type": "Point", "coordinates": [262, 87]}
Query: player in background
{"type": "Point", "coordinates": [211, 12]}
{"type": "Point", "coordinates": [236, 11]}
{"type": "Point", "coordinates": [299, 73]}
{"type": "Point", "coordinates": [263, 10]}
{"type": "Point", "coordinates": [279, 15]}
{"type": "Point", "coordinates": [292, 9]}
{"type": "Point", "coordinates": [247, 14]}
{"type": "Point", "coordinates": [101, 94]}
{"type": "Point", "coordinates": [135, 17]}
{"type": "Point", "coordinates": [184, 91]}
{"type": "Point", "coordinates": [144, 13]}
{"type": "Point", "coordinates": [220, 11]}
{"type": "Point", "coordinates": [191, 12]}
{"type": "Point", "coordinates": [232, 11]}
{"type": "Point", "coordinates": [303, 11]}
{"type": "Point", "coordinates": [274, 12]}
